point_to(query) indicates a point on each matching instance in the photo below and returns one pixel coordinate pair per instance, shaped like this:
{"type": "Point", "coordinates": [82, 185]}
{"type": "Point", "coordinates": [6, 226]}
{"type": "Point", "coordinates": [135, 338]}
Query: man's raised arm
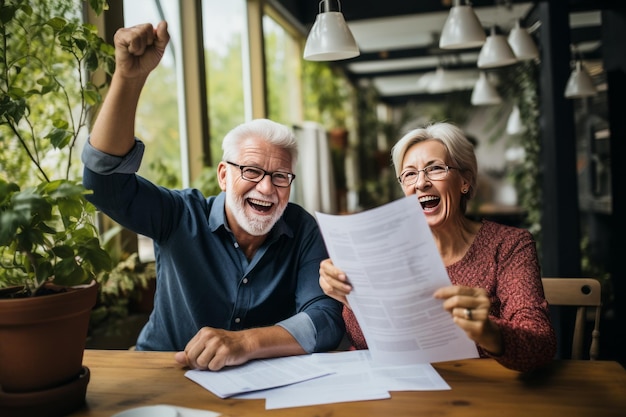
{"type": "Point", "coordinates": [138, 50]}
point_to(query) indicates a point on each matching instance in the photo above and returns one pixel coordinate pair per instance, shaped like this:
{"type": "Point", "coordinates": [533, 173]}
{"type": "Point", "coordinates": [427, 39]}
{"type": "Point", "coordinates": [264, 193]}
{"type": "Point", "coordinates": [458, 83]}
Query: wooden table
{"type": "Point", "coordinates": [480, 387]}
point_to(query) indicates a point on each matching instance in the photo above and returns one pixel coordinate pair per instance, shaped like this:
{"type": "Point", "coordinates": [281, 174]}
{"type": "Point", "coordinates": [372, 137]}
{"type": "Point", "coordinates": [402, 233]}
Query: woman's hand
{"type": "Point", "coordinates": [469, 308]}
{"type": "Point", "coordinates": [334, 282]}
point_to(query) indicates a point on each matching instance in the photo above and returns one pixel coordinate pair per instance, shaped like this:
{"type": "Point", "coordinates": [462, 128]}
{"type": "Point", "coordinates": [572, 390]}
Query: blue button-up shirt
{"type": "Point", "coordinates": [203, 277]}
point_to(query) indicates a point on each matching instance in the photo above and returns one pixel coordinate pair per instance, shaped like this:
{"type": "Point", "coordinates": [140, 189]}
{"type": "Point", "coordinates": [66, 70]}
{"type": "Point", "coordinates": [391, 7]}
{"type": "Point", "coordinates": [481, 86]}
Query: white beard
{"type": "Point", "coordinates": [254, 225]}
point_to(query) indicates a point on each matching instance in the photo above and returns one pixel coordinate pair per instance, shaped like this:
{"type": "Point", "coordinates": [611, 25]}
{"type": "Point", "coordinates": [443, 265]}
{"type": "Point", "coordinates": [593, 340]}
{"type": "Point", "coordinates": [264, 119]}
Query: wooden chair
{"type": "Point", "coordinates": [581, 293]}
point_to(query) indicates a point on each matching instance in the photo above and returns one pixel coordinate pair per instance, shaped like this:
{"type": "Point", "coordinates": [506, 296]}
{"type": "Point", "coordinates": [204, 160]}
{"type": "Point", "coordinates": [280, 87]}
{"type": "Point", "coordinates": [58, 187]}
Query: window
{"type": "Point", "coordinates": [157, 121]}
{"type": "Point", "coordinates": [224, 26]}
{"type": "Point", "coordinates": [283, 70]}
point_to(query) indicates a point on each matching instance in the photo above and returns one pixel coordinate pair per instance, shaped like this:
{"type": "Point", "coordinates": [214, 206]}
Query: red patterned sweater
{"type": "Point", "coordinates": [503, 261]}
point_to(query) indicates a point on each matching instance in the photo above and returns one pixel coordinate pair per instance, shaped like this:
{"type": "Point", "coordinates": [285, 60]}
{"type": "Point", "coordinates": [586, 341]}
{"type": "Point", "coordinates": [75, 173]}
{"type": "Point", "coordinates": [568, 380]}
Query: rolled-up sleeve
{"type": "Point", "coordinates": [106, 164]}
{"type": "Point", "coordinates": [302, 329]}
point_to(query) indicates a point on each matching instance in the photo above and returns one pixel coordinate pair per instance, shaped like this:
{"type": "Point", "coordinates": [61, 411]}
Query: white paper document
{"type": "Point", "coordinates": [257, 375]}
{"type": "Point", "coordinates": [390, 257]}
{"type": "Point", "coordinates": [355, 378]}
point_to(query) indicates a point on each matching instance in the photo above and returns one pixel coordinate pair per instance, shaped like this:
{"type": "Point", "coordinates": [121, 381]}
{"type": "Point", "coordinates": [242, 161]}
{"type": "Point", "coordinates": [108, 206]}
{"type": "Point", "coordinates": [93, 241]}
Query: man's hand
{"type": "Point", "coordinates": [214, 349]}
{"type": "Point", "coordinates": [139, 49]}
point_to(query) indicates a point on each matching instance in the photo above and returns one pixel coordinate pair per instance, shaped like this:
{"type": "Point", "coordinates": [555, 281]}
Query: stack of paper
{"type": "Point", "coordinates": [321, 378]}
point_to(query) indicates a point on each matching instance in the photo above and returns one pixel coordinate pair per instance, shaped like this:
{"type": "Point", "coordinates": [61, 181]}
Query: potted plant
{"type": "Point", "coordinates": [50, 252]}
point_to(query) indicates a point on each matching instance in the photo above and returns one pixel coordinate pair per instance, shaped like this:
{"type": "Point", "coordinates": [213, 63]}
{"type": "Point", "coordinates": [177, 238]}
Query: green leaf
{"type": "Point", "coordinates": [59, 138]}
{"type": "Point", "coordinates": [43, 227]}
{"type": "Point", "coordinates": [64, 189]}
{"type": "Point", "coordinates": [107, 49]}
{"type": "Point", "coordinates": [30, 238]}
{"type": "Point", "coordinates": [81, 44]}
{"type": "Point", "coordinates": [92, 97]}
{"type": "Point", "coordinates": [96, 256]}
{"type": "Point", "coordinates": [60, 123]}
{"type": "Point", "coordinates": [16, 92]}
{"type": "Point", "coordinates": [47, 84]}
{"type": "Point", "coordinates": [98, 6]}
{"type": "Point", "coordinates": [70, 207]}
{"type": "Point", "coordinates": [57, 23]}
{"type": "Point", "coordinates": [9, 224]}
{"type": "Point", "coordinates": [31, 204]}
{"type": "Point", "coordinates": [6, 190]}
{"type": "Point", "coordinates": [7, 13]}
{"type": "Point", "coordinates": [26, 8]}
{"type": "Point", "coordinates": [12, 109]}
{"type": "Point", "coordinates": [91, 61]}
{"type": "Point", "coordinates": [89, 29]}
{"type": "Point", "coordinates": [68, 272]}
{"type": "Point", "coordinates": [44, 271]}
{"type": "Point", "coordinates": [63, 251]}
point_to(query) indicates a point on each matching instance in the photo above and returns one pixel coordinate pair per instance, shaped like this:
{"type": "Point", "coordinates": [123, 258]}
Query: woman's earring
{"type": "Point", "coordinates": [464, 191]}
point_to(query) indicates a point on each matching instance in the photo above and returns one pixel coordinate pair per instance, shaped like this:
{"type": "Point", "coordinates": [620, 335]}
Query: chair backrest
{"type": "Point", "coordinates": [581, 293]}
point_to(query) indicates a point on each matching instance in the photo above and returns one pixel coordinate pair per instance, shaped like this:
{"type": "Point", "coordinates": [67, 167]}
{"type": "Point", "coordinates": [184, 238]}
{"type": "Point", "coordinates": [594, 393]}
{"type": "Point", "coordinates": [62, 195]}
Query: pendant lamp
{"type": "Point", "coordinates": [484, 93]}
{"type": "Point", "coordinates": [330, 38]}
{"type": "Point", "coordinates": [514, 124]}
{"type": "Point", "coordinates": [579, 83]}
{"type": "Point", "coordinates": [462, 28]}
{"type": "Point", "coordinates": [522, 43]}
{"type": "Point", "coordinates": [440, 82]}
{"type": "Point", "coordinates": [496, 52]}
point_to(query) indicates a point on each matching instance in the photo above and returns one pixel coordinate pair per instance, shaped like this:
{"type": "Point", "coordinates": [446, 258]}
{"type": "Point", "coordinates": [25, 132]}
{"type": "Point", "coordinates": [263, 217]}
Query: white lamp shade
{"type": "Point", "coordinates": [462, 29]}
{"type": "Point", "coordinates": [330, 39]}
{"type": "Point", "coordinates": [440, 82]}
{"type": "Point", "coordinates": [579, 83]}
{"type": "Point", "coordinates": [484, 94]}
{"type": "Point", "coordinates": [522, 43]}
{"type": "Point", "coordinates": [514, 125]}
{"type": "Point", "coordinates": [496, 52]}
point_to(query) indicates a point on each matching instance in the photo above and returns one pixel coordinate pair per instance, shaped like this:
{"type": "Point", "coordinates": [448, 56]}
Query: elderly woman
{"type": "Point", "coordinates": [497, 297]}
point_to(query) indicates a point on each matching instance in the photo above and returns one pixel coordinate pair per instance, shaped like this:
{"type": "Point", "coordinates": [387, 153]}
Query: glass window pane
{"type": "Point", "coordinates": [224, 25]}
{"type": "Point", "coordinates": [157, 122]}
{"type": "Point", "coordinates": [282, 57]}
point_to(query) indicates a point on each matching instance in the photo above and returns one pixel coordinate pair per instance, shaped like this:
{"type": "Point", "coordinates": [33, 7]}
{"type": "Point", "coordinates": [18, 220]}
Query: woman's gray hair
{"type": "Point", "coordinates": [460, 150]}
{"type": "Point", "coordinates": [273, 133]}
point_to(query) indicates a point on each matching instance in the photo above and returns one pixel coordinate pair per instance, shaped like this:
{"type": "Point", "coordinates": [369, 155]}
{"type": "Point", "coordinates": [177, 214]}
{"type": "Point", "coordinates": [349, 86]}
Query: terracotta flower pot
{"type": "Point", "coordinates": [42, 339]}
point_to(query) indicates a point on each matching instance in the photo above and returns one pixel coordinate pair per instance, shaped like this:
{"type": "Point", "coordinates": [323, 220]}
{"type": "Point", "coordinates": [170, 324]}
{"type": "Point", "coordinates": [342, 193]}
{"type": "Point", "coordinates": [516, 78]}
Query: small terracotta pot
{"type": "Point", "coordinates": [42, 339]}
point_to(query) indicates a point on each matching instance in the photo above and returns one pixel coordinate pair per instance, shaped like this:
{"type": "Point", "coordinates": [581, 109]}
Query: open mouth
{"type": "Point", "coordinates": [259, 205]}
{"type": "Point", "coordinates": [429, 202]}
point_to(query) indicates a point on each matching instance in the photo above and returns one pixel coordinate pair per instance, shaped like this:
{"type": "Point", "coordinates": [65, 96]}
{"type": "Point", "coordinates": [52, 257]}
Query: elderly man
{"type": "Point", "coordinates": [237, 273]}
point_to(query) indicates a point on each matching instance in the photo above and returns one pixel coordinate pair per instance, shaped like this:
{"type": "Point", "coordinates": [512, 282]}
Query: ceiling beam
{"type": "Point", "coordinates": [409, 71]}
{"type": "Point", "coordinates": [390, 54]}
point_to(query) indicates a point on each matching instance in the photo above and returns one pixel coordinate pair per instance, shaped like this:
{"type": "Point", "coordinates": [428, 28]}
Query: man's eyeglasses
{"type": "Point", "coordinates": [256, 174]}
{"type": "Point", "coordinates": [432, 172]}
